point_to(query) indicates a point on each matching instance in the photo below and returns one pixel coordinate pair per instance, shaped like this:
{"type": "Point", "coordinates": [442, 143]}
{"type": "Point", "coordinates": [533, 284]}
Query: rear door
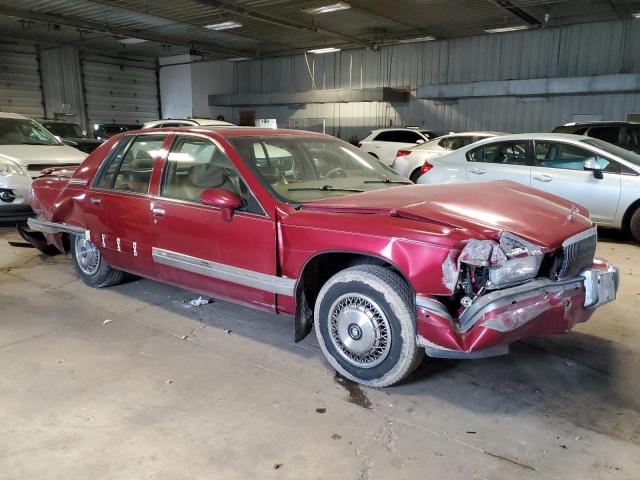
{"type": "Point", "coordinates": [118, 209]}
{"type": "Point", "coordinates": [560, 170]}
{"type": "Point", "coordinates": [501, 160]}
{"type": "Point", "coordinates": [194, 246]}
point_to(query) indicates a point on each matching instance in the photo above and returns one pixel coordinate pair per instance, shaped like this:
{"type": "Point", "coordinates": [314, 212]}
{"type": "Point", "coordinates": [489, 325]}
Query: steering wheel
{"type": "Point", "coordinates": [335, 171]}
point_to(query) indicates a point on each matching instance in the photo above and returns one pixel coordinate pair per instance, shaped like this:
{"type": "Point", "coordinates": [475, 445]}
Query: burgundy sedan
{"type": "Point", "coordinates": [306, 225]}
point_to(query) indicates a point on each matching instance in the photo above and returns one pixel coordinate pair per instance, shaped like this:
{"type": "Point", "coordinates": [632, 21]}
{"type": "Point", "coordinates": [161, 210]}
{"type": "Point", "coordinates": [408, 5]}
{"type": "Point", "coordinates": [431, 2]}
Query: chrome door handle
{"type": "Point", "coordinates": [543, 178]}
{"type": "Point", "coordinates": [95, 201]}
{"type": "Point", "coordinates": [478, 171]}
{"type": "Point", "coordinates": [158, 212]}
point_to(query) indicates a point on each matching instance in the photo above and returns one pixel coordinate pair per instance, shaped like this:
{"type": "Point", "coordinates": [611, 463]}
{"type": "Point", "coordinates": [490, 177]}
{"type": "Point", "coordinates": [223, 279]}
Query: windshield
{"type": "Point", "coordinates": [22, 131]}
{"type": "Point", "coordinates": [301, 169]}
{"type": "Point", "coordinates": [66, 130]}
{"type": "Point", "coordinates": [623, 153]}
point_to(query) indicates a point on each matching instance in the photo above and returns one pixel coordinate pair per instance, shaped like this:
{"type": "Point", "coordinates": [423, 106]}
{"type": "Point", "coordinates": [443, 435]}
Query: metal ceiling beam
{"type": "Point", "coordinates": [232, 7]}
{"type": "Point", "coordinates": [124, 32]}
{"type": "Point", "coordinates": [515, 10]}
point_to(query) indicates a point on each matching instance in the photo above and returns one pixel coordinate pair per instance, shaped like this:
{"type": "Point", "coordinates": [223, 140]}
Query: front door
{"type": "Point", "coordinates": [195, 246]}
{"type": "Point", "coordinates": [117, 208]}
{"type": "Point", "coordinates": [560, 170]}
{"type": "Point", "coordinates": [507, 160]}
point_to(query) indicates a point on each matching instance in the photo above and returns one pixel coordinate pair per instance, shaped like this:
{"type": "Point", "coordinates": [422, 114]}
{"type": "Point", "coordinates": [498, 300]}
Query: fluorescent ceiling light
{"type": "Point", "coordinates": [426, 38]}
{"type": "Point", "coordinates": [512, 28]}
{"type": "Point", "coordinates": [334, 7]}
{"type": "Point", "coordinates": [131, 40]}
{"type": "Point", "coordinates": [324, 50]}
{"type": "Point", "coordinates": [238, 59]}
{"type": "Point", "coordinates": [635, 14]}
{"type": "Point", "coordinates": [223, 25]}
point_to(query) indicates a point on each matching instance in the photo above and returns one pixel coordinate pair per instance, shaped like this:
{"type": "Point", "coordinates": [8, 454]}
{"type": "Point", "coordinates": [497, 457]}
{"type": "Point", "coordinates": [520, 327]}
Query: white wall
{"type": "Point", "coordinates": [176, 95]}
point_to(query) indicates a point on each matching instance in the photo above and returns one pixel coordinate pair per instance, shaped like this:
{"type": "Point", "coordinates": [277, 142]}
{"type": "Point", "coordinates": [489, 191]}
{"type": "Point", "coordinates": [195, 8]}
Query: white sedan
{"type": "Point", "coordinates": [384, 143]}
{"type": "Point", "coordinates": [600, 176]}
{"type": "Point", "coordinates": [409, 161]}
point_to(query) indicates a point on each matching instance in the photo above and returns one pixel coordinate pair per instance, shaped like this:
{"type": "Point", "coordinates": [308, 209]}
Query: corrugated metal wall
{"type": "Point", "coordinates": [577, 50]}
{"type": "Point", "coordinates": [120, 92]}
{"type": "Point", "coordinates": [20, 89]}
{"type": "Point", "coordinates": [62, 84]}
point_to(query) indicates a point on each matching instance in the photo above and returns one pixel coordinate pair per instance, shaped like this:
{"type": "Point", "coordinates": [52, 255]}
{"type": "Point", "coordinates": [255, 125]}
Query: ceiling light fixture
{"type": "Point", "coordinates": [223, 25]}
{"type": "Point", "coordinates": [131, 40]}
{"type": "Point", "coordinates": [635, 14]}
{"type": "Point", "coordinates": [334, 7]}
{"type": "Point", "coordinates": [426, 38]}
{"type": "Point", "coordinates": [238, 59]}
{"type": "Point", "coordinates": [512, 28]}
{"type": "Point", "coordinates": [324, 50]}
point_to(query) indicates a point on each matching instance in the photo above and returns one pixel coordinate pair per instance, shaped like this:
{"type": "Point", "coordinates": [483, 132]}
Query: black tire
{"type": "Point", "coordinates": [634, 225]}
{"type": "Point", "coordinates": [415, 175]}
{"type": "Point", "coordinates": [100, 274]}
{"type": "Point", "coordinates": [381, 302]}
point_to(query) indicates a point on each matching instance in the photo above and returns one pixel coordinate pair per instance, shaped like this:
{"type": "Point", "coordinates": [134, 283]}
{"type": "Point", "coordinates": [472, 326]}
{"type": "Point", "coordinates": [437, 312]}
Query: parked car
{"type": "Point", "coordinates": [623, 134]}
{"type": "Point", "coordinates": [384, 143]}
{"type": "Point", "coordinates": [586, 171]}
{"type": "Point", "coordinates": [384, 269]}
{"type": "Point", "coordinates": [73, 135]}
{"type": "Point", "coordinates": [187, 122]}
{"type": "Point", "coordinates": [26, 148]}
{"type": "Point", "coordinates": [409, 161]}
{"type": "Point", "coordinates": [104, 131]}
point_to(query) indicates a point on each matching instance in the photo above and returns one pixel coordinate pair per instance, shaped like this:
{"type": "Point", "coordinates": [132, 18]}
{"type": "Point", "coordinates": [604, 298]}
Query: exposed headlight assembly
{"type": "Point", "coordinates": [9, 167]}
{"type": "Point", "coordinates": [515, 270]}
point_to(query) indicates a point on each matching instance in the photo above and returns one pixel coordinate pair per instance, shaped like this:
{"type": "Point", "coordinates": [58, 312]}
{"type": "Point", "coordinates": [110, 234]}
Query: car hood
{"type": "Point", "coordinates": [487, 208]}
{"type": "Point", "coordinates": [42, 154]}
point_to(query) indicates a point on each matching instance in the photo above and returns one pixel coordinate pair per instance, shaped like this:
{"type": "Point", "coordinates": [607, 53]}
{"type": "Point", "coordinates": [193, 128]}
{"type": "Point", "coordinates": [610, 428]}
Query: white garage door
{"type": "Point", "coordinates": [120, 93]}
{"type": "Point", "coordinates": [20, 88]}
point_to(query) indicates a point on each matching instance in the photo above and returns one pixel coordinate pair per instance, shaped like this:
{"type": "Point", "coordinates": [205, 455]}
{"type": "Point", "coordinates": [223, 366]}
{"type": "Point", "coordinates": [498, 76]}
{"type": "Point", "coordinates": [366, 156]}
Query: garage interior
{"type": "Point", "coordinates": [136, 382]}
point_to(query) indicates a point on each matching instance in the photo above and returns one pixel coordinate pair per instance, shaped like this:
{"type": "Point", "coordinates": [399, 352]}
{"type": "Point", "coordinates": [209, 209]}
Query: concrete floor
{"type": "Point", "coordinates": [164, 390]}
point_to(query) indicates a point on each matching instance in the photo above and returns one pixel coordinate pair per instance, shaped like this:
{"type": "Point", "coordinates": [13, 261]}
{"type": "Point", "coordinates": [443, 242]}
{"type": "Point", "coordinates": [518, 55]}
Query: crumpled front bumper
{"type": "Point", "coordinates": [495, 320]}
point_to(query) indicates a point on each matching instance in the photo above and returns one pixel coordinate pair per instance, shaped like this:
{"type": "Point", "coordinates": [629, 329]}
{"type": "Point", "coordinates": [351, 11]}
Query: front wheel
{"type": "Point", "coordinates": [365, 325]}
{"type": "Point", "coordinates": [634, 225]}
{"type": "Point", "coordinates": [90, 265]}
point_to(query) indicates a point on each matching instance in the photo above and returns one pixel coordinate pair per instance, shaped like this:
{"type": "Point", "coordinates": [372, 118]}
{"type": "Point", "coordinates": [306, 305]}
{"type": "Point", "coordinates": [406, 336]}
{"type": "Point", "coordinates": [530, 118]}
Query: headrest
{"type": "Point", "coordinates": [207, 175]}
{"type": "Point", "coordinates": [142, 160]}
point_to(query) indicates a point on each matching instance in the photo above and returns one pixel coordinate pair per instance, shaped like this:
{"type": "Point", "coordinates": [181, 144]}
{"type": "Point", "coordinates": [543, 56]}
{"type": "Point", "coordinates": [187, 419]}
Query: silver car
{"type": "Point", "coordinates": [26, 148]}
{"type": "Point", "coordinates": [595, 174]}
{"type": "Point", "coordinates": [409, 161]}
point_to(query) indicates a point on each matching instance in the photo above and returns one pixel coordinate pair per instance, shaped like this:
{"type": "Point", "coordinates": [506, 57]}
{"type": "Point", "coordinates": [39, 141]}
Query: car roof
{"type": "Point", "coordinates": [473, 132]}
{"type": "Point", "coordinates": [238, 131]}
{"type": "Point", "coordinates": [389, 129]}
{"type": "Point", "coordinates": [533, 136]}
{"type": "Point", "coordinates": [12, 115]}
{"type": "Point", "coordinates": [599, 122]}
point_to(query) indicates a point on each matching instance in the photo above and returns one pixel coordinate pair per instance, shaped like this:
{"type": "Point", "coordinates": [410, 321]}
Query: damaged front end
{"type": "Point", "coordinates": [511, 289]}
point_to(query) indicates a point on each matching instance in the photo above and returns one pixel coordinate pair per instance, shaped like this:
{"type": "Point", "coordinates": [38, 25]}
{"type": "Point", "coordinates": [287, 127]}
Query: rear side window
{"type": "Point", "coordinates": [454, 143]}
{"type": "Point", "coordinates": [508, 153]}
{"type": "Point", "coordinates": [398, 136]}
{"type": "Point", "coordinates": [129, 169]}
{"type": "Point", "coordinates": [608, 134]}
{"type": "Point", "coordinates": [632, 136]}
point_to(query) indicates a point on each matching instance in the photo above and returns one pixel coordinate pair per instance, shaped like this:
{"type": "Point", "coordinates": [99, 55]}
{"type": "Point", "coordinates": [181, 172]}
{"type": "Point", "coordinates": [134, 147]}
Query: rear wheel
{"type": "Point", "coordinates": [90, 265]}
{"type": "Point", "coordinates": [634, 225]}
{"type": "Point", "coordinates": [365, 325]}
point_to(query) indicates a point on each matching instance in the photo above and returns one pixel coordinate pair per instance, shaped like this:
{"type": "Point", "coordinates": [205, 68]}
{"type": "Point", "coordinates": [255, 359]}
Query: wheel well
{"type": "Point", "coordinates": [413, 172]}
{"type": "Point", "coordinates": [626, 219]}
{"type": "Point", "coordinates": [315, 274]}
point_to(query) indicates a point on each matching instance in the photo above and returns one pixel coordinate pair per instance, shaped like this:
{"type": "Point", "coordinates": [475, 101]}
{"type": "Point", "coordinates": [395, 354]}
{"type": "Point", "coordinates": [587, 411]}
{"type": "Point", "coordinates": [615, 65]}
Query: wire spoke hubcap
{"type": "Point", "coordinates": [359, 330]}
{"type": "Point", "coordinates": [88, 256]}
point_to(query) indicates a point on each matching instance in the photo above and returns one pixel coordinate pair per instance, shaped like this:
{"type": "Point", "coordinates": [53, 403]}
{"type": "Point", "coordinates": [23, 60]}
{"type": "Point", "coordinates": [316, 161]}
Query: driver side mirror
{"type": "Point", "coordinates": [593, 166]}
{"type": "Point", "coordinates": [225, 200]}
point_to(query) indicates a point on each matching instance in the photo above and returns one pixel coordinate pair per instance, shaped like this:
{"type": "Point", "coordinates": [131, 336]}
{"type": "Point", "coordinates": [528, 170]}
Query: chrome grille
{"type": "Point", "coordinates": [577, 253]}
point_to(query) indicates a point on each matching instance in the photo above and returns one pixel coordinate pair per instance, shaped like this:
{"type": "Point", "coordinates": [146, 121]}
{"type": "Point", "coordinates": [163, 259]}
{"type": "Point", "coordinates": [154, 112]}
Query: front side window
{"type": "Point", "coordinates": [569, 157]}
{"type": "Point", "coordinates": [130, 168]}
{"type": "Point", "coordinates": [196, 164]}
{"type": "Point", "coordinates": [305, 168]}
{"type": "Point", "coordinates": [509, 153]}
{"type": "Point", "coordinates": [23, 131]}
